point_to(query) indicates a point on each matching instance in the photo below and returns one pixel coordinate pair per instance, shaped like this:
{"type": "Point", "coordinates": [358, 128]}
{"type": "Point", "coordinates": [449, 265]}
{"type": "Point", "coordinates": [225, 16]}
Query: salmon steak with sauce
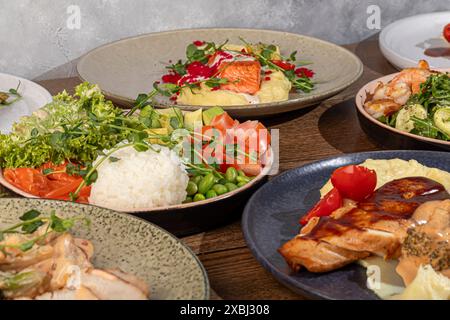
{"type": "Point", "coordinates": [375, 226]}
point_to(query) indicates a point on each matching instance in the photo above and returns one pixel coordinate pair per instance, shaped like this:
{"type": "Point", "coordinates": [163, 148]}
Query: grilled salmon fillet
{"type": "Point", "coordinates": [378, 225]}
{"type": "Point", "coordinates": [242, 76]}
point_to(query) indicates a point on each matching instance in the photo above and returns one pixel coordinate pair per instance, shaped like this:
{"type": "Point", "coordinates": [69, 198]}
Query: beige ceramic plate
{"type": "Point", "coordinates": [125, 68]}
{"type": "Point", "coordinates": [171, 270]}
{"type": "Point", "coordinates": [370, 88]}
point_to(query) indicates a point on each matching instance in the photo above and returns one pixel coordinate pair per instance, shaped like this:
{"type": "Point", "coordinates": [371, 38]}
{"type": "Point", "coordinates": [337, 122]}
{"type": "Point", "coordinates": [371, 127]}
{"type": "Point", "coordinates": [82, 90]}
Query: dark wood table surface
{"type": "Point", "coordinates": [328, 129]}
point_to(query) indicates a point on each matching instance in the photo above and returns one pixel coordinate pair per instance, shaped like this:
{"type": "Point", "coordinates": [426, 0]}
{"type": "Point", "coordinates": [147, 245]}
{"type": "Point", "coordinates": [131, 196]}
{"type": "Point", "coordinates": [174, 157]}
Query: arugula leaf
{"type": "Point", "coordinates": [179, 68]}
{"type": "Point", "coordinates": [32, 226]}
{"type": "Point", "coordinates": [91, 178]}
{"type": "Point", "coordinates": [292, 56]}
{"type": "Point", "coordinates": [30, 215]}
{"type": "Point", "coordinates": [60, 225]}
{"type": "Point", "coordinates": [27, 245]}
{"type": "Point", "coordinates": [47, 171]}
{"type": "Point", "coordinates": [174, 123]}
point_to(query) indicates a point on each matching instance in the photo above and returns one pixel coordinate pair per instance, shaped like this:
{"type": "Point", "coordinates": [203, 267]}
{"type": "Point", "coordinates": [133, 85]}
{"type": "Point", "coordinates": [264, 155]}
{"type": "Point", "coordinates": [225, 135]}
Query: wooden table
{"type": "Point", "coordinates": [328, 129]}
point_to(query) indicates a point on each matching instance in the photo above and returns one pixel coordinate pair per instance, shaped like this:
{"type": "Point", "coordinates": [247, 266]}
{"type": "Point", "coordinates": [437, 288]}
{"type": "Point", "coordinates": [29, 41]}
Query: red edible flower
{"type": "Point", "coordinates": [198, 43]}
{"type": "Point", "coordinates": [304, 72]}
{"type": "Point", "coordinates": [283, 64]}
{"type": "Point", "coordinates": [171, 78]}
{"type": "Point", "coordinates": [199, 69]}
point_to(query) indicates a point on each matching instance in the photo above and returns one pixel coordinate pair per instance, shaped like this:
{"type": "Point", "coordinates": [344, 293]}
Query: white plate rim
{"type": "Point", "coordinates": [45, 93]}
{"type": "Point", "coordinates": [399, 61]}
{"type": "Point", "coordinates": [266, 170]}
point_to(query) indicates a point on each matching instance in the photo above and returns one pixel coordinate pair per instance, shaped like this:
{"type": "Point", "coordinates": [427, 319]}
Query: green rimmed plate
{"type": "Point", "coordinates": [171, 269]}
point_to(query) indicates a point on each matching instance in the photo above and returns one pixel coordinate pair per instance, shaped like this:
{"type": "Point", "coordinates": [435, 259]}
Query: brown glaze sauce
{"type": "Point", "coordinates": [397, 199]}
{"type": "Point", "coordinates": [437, 52]}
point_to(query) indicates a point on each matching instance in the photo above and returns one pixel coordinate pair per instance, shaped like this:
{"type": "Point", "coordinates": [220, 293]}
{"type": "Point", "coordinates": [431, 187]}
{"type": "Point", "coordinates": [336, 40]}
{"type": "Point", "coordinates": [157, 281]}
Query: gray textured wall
{"type": "Point", "coordinates": [35, 41]}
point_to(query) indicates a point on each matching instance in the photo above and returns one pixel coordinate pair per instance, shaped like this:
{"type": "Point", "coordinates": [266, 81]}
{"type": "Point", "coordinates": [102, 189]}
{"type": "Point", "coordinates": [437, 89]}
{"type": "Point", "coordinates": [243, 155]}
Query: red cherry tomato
{"type": "Point", "coordinates": [330, 202]}
{"type": "Point", "coordinates": [354, 182]}
{"type": "Point", "coordinates": [446, 32]}
{"type": "Point", "coordinates": [283, 64]}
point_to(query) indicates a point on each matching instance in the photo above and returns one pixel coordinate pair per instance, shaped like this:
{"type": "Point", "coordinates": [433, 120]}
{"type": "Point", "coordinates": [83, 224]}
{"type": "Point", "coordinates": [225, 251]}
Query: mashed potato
{"type": "Point", "coordinates": [275, 89]}
{"type": "Point", "coordinates": [427, 285]}
{"type": "Point", "coordinates": [388, 170]}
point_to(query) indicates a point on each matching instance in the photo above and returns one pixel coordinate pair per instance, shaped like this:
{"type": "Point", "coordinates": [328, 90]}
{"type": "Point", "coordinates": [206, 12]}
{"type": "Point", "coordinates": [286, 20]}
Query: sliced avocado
{"type": "Point", "coordinates": [171, 118]}
{"type": "Point", "coordinates": [167, 111]}
{"type": "Point", "coordinates": [442, 120]}
{"type": "Point", "coordinates": [153, 133]}
{"type": "Point", "coordinates": [190, 118]}
{"type": "Point", "coordinates": [209, 114]}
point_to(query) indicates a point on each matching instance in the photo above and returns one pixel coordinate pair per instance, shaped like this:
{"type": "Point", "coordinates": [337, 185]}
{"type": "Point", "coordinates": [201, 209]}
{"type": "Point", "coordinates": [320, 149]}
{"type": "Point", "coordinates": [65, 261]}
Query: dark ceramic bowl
{"type": "Point", "coordinates": [271, 218]}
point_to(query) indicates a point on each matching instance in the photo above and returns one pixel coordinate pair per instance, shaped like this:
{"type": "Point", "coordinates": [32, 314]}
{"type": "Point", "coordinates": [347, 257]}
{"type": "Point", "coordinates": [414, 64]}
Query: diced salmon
{"type": "Point", "coordinates": [242, 76]}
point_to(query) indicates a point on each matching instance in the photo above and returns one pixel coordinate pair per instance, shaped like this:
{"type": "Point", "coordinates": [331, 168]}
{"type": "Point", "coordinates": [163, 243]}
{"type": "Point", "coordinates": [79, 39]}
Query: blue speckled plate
{"type": "Point", "coordinates": [272, 214]}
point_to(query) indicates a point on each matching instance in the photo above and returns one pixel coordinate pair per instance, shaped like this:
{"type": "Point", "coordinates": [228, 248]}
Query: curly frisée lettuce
{"type": "Point", "coordinates": [70, 127]}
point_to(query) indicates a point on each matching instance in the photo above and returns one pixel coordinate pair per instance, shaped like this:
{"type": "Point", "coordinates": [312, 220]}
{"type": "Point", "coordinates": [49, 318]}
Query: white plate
{"type": "Point", "coordinates": [34, 97]}
{"type": "Point", "coordinates": [403, 42]}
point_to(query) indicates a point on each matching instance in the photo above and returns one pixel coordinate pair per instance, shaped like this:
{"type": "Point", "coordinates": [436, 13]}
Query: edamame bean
{"type": "Point", "coordinates": [242, 183]}
{"type": "Point", "coordinates": [230, 186]}
{"type": "Point", "coordinates": [191, 188]}
{"type": "Point", "coordinates": [242, 179]}
{"type": "Point", "coordinates": [231, 174]}
{"type": "Point", "coordinates": [206, 183]}
{"type": "Point", "coordinates": [220, 188]}
{"type": "Point", "coordinates": [241, 173]}
{"type": "Point", "coordinates": [196, 179]}
{"type": "Point", "coordinates": [211, 194]}
{"type": "Point", "coordinates": [199, 197]}
{"type": "Point", "coordinates": [187, 200]}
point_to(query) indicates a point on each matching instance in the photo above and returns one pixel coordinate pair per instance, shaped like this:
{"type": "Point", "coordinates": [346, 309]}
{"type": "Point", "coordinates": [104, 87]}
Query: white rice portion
{"type": "Point", "coordinates": [140, 180]}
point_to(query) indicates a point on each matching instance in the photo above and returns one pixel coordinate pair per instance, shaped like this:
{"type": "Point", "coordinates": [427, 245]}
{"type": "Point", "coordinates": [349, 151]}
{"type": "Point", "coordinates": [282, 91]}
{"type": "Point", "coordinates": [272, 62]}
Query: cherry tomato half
{"type": "Point", "coordinates": [330, 202]}
{"type": "Point", "coordinates": [447, 32]}
{"type": "Point", "coordinates": [354, 182]}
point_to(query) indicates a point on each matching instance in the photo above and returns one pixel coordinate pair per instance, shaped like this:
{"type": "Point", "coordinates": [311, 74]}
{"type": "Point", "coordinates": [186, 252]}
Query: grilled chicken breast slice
{"type": "Point", "coordinates": [107, 286]}
{"type": "Point", "coordinates": [82, 293]}
{"type": "Point", "coordinates": [376, 226]}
